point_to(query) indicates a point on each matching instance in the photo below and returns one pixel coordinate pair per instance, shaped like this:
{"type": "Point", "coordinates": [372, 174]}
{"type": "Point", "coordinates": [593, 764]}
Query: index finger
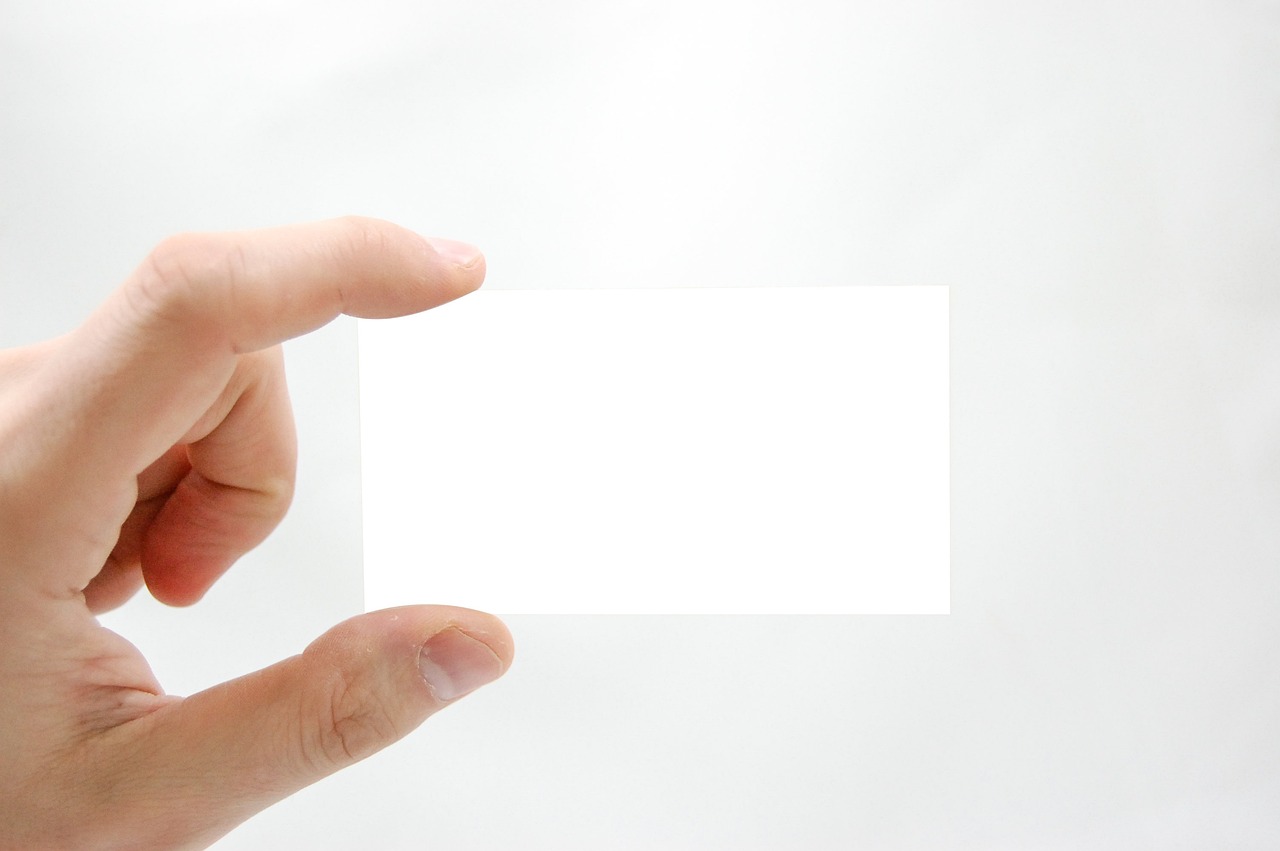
{"type": "Point", "coordinates": [247, 291]}
{"type": "Point", "coordinates": [121, 390]}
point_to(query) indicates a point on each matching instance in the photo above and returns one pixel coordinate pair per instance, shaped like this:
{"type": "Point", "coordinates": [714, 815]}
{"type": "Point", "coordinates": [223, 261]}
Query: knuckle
{"type": "Point", "coordinates": [185, 275]}
{"type": "Point", "coordinates": [277, 494]}
{"type": "Point", "coordinates": [349, 722]}
{"type": "Point", "coordinates": [364, 236]}
{"type": "Point", "coordinates": [266, 503]}
{"type": "Point", "coordinates": [168, 275]}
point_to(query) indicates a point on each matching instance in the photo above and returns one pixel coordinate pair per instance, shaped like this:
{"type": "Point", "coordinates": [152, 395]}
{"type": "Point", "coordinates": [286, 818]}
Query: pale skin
{"type": "Point", "coordinates": [155, 444]}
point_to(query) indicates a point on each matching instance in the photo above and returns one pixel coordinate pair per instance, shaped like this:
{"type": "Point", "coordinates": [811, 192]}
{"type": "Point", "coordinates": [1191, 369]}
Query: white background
{"type": "Point", "coordinates": [1098, 184]}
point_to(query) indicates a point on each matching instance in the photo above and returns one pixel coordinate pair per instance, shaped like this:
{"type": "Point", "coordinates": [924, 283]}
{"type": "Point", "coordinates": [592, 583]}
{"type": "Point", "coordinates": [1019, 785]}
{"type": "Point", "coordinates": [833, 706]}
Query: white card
{"type": "Point", "coordinates": [681, 451]}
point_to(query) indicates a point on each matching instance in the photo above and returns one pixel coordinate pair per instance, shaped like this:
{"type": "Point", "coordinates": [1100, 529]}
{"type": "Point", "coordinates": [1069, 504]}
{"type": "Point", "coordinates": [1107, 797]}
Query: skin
{"type": "Point", "coordinates": [155, 444]}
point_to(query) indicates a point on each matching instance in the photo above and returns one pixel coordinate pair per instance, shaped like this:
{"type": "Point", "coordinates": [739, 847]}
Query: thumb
{"type": "Point", "coordinates": [211, 761]}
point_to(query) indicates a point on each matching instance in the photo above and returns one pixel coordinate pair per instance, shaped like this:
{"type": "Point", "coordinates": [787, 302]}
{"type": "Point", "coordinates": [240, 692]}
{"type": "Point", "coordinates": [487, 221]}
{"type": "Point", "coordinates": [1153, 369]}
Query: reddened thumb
{"type": "Point", "coordinates": [222, 755]}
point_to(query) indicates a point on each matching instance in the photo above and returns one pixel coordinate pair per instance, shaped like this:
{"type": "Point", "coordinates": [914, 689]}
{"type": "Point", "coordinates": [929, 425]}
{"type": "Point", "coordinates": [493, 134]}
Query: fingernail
{"type": "Point", "coordinates": [455, 252]}
{"type": "Point", "coordinates": [453, 664]}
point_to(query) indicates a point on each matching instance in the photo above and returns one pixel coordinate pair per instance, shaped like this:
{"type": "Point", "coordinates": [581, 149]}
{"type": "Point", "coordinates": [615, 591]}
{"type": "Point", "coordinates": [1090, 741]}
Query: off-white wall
{"type": "Point", "coordinates": [1098, 184]}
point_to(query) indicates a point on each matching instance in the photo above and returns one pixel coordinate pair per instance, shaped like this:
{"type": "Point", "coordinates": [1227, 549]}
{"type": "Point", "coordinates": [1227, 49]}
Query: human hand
{"type": "Point", "coordinates": [156, 443]}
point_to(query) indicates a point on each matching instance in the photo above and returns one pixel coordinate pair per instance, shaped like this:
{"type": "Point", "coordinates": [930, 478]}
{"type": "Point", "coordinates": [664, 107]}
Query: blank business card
{"type": "Point", "coordinates": [681, 451]}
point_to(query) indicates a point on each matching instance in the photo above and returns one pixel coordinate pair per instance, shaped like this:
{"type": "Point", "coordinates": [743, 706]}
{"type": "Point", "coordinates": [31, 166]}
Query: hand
{"type": "Point", "coordinates": [156, 443]}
